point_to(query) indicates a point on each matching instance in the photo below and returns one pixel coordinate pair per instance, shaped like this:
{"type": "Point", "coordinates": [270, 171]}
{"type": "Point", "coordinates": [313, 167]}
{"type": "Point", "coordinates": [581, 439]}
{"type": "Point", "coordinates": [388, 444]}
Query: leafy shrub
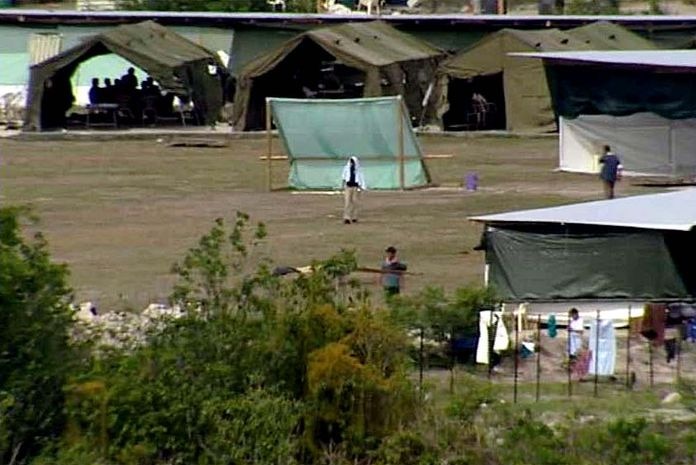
{"type": "Point", "coordinates": [405, 448]}
{"type": "Point", "coordinates": [35, 354]}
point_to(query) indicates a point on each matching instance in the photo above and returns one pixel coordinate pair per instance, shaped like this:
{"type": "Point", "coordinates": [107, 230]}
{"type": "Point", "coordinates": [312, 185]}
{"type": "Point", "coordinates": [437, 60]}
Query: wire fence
{"type": "Point", "coordinates": [538, 363]}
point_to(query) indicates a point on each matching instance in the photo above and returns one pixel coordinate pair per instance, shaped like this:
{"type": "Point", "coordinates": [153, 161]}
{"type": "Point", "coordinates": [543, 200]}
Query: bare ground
{"type": "Point", "coordinates": [121, 212]}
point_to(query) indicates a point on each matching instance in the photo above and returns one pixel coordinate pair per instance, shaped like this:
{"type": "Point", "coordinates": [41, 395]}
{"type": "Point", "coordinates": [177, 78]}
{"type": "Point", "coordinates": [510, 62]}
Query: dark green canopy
{"type": "Point", "coordinates": [390, 63]}
{"type": "Point", "coordinates": [179, 66]}
{"type": "Point", "coordinates": [660, 82]}
{"type": "Point", "coordinates": [638, 247]}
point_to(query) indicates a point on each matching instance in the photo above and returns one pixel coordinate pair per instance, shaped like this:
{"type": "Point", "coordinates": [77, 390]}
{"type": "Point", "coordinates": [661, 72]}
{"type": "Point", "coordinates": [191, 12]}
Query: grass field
{"type": "Point", "coordinates": [121, 212]}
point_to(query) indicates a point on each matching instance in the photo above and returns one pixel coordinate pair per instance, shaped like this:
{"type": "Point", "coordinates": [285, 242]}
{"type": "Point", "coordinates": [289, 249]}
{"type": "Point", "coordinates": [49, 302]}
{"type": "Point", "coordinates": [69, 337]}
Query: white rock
{"type": "Point", "coordinates": [671, 398]}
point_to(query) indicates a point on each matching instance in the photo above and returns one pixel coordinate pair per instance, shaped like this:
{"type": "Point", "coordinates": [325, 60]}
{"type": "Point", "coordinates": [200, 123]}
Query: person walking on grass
{"type": "Point", "coordinates": [611, 171]}
{"type": "Point", "coordinates": [353, 183]}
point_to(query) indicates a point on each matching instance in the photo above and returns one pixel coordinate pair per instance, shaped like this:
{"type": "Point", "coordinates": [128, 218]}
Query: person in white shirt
{"type": "Point", "coordinates": [575, 329]}
{"type": "Point", "coordinates": [353, 183]}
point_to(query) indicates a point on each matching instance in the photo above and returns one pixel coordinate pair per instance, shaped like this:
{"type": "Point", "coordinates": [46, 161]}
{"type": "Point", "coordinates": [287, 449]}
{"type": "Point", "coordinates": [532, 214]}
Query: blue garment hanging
{"type": "Point", "coordinates": [551, 326]}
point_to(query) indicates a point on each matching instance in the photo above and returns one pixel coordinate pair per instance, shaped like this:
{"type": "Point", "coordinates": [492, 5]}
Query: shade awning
{"type": "Point", "coordinates": [674, 211]}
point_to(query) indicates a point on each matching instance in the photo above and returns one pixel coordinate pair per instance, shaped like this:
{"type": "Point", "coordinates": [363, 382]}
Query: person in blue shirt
{"type": "Point", "coordinates": [392, 273]}
{"type": "Point", "coordinates": [611, 168]}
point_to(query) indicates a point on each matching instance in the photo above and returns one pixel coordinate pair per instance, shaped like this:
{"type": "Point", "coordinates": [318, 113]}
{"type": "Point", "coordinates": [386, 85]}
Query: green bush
{"type": "Point", "coordinates": [35, 354]}
{"type": "Point", "coordinates": [531, 442]}
{"type": "Point", "coordinates": [405, 448]}
{"type": "Point", "coordinates": [471, 395]}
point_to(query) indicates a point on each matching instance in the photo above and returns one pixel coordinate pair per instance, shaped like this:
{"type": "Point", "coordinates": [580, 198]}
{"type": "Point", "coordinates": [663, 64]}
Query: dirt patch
{"type": "Point", "coordinates": [121, 212]}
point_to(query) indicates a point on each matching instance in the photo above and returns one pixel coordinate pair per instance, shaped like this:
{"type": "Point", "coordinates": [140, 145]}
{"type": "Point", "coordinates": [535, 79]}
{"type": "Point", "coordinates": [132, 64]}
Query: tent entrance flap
{"type": "Point", "coordinates": [319, 135]}
{"type": "Point", "coordinates": [469, 113]}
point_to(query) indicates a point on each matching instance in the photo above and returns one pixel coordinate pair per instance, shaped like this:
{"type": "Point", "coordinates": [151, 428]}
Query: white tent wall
{"type": "Point", "coordinates": [647, 144]}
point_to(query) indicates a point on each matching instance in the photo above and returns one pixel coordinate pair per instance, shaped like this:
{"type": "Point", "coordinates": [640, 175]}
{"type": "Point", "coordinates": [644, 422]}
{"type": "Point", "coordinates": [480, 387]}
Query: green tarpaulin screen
{"type": "Point", "coordinates": [320, 135]}
{"type": "Point", "coordinates": [602, 90]}
{"type": "Point", "coordinates": [529, 265]}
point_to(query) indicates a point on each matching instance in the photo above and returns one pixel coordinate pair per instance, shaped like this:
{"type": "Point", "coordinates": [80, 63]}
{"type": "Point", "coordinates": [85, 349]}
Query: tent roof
{"type": "Point", "coordinates": [143, 41]}
{"type": "Point", "coordinates": [375, 43]}
{"type": "Point", "coordinates": [664, 59]}
{"type": "Point", "coordinates": [665, 211]}
{"type": "Point", "coordinates": [596, 36]}
{"type": "Point", "coordinates": [603, 35]}
{"type": "Point", "coordinates": [487, 55]}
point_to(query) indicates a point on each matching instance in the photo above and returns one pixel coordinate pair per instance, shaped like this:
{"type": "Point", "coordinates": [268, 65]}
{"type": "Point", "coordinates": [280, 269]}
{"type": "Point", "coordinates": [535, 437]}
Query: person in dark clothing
{"type": "Point", "coordinates": [129, 81]}
{"type": "Point", "coordinates": [611, 168]}
{"type": "Point", "coordinates": [95, 92]}
{"type": "Point", "coordinates": [108, 91]}
{"type": "Point", "coordinates": [353, 183]}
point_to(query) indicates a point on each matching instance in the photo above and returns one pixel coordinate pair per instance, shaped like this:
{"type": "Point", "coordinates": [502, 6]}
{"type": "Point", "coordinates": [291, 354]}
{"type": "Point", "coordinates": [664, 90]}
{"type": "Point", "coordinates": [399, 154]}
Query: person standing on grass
{"type": "Point", "coordinates": [392, 273]}
{"type": "Point", "coordinates": [353, 182]}
{"type": "Point", "coordinates": [610, 173]}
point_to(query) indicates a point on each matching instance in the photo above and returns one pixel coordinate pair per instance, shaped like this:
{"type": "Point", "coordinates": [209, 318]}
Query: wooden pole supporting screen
{"type": "Point", "coordinates": [325, 158]}
{"type": "Point", "coordinates": [269, 141]}
{"type": "Point", "coordinates": [400, 122]}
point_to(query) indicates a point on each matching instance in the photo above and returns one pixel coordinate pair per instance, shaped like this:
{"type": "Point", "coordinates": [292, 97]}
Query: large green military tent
{"type": "Point", "coordinates": [179, 66]}
{"type": "Point", "coordinates": [515, 86]}
{"type": "Point", "coordinates": [638, 247]}
{"type": "Point", "coordinates": [351, 60]}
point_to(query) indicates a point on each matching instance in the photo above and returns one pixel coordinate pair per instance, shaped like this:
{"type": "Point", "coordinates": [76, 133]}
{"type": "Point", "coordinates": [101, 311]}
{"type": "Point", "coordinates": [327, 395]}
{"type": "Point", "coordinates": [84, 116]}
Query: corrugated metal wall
{"type": "Point", "coordinates": [43, 46]}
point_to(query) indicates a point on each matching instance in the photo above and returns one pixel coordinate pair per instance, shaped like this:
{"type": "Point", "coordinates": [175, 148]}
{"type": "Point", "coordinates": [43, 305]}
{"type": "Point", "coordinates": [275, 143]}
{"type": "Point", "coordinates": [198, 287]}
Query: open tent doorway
{"type": "Point", "coordinates": [350, 60]}
{"type": "Point", "coordinates": [109, 66]}
{"type": "Point", "coordinates": [468, 111]}
{"type": "Point", "coordinates": [180, 67]}
{"type": "Point", "coordinates": [308, 71]}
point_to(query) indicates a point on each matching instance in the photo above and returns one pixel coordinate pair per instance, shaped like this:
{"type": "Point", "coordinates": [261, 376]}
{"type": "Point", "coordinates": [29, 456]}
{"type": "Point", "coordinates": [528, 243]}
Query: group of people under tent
{"type": "Point", "coordinates": [146, 101]}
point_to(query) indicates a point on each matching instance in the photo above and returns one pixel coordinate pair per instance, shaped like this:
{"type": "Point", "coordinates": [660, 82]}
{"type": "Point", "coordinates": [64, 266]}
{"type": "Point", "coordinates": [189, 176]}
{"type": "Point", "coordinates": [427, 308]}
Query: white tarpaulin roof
{"type": "Point", "coordinates": [675, 59]}
{"type": "Point", "coordinates": [674, 210]}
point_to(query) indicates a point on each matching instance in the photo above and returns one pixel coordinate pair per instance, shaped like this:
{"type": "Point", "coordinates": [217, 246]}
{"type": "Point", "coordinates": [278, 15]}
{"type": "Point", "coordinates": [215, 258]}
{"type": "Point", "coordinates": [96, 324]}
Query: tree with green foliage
{"type": "Point", "coordinates": [35, 354]}
{"type": "Point", "coordinates": [209, 387]}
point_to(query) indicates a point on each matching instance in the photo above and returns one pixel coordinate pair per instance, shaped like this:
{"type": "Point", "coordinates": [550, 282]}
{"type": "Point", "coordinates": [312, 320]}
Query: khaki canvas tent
{"type": "Point", "coordinates": [515, 86]}
{"type": "Point", "coordinates": [179, 65]}
{"type": "Point", "coordinates": [351, 60]}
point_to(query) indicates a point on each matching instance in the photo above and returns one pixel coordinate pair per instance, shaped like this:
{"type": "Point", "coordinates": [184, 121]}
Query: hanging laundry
{"type": "Point", "coordinates": [653, 324]}
{"type": "Point", "coordinates": [691, 330]}
{"type": "Point", "coordinates": [526, 349]}
{"type": "Point", "coordinates": [501, 342]}
{"type": "Point", "coordinates": [521, 316]}
{"type": "Point", "coordinates": [551, 326]}
{"type": "Point", "coordinates": [483, 349]}
{"type": "Point", "coordinates": [605, 358]}
{"type": "Point", "coordinates": [491, 324]}
{"type": "Point", "coordinates": [582, 364]}
{"type": "Point", "coordinates": [672, 333]}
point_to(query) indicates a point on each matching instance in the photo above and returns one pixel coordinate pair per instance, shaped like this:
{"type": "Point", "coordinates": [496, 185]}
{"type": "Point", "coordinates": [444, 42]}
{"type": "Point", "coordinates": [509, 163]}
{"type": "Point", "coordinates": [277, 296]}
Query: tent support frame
{"type": "Point", "coordinates": [269, 144]}
{"type": "Point", "coordinates": [400, 138]}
